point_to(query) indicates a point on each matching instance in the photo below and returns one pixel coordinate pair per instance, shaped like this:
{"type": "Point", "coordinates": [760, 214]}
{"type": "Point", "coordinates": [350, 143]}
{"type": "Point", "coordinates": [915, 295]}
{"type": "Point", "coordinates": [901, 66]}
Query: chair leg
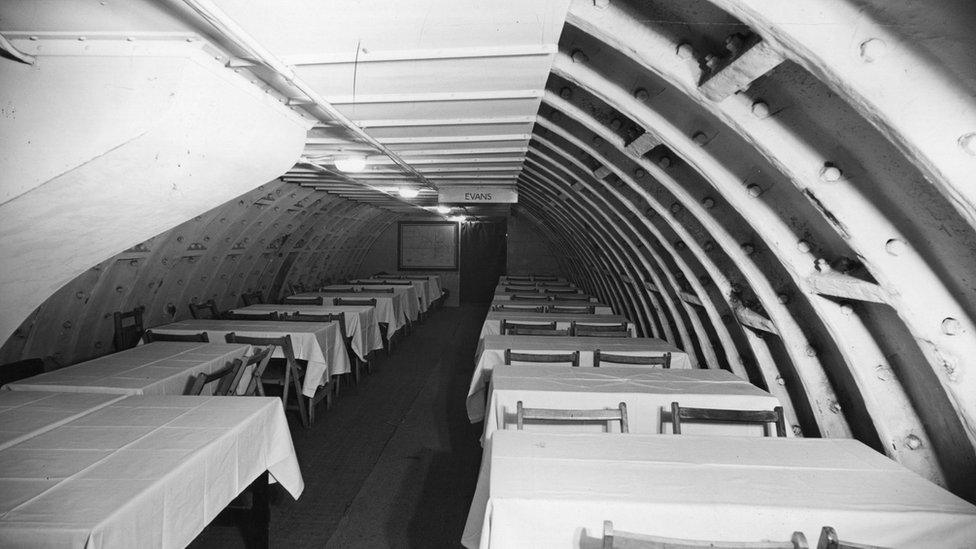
{"type": "Point", "coordinates": [285, 387]}
{"type": "Point", "coordinates": [311, 409]}
{"type": "Point", "coordinates": [306, 417]}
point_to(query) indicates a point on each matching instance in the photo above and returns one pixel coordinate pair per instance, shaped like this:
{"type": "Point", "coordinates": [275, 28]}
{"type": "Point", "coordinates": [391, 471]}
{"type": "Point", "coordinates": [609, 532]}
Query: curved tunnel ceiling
{"type": "Point", "coordinates": [793, 202]}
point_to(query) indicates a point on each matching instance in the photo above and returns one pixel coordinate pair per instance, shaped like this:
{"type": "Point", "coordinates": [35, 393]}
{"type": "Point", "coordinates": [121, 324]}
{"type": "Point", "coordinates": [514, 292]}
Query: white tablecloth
{"type": "Point", "coordinates": [491, 353]}
{"type": "Point", "coordinates": [318, 343]}
{"type": "Point", "coordinates": [389, 307]}
{"type": "Point", "coordinates": [420, 286]}
{"type": "Point", "coordinates": [159, 368]}
{"type": "Point", "coordinates": [145, 471]}
{"type": "Point", "coordinates": [493, 322]}
{"type": "Point", "coordinates": [544, 489]}
{"type": "Point", "coordinates": [361, 323]}
{"type": "Point", "coordinates": [646, 391]}
{"type": "Point", "coordinates": [25, 414]}
{"type": "Point", "coordinates": [598, 308]}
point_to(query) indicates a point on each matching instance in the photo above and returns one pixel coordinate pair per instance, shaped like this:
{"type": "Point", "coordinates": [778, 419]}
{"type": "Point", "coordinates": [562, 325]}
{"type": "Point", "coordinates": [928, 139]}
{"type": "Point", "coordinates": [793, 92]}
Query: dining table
{"type": "Point", "coordinates": [138, 471]}
{"type": "Point", "coordinates": [491, 353]}
{"type": "Point", "coordinates": [409, 303]}
{"type": "Point", "coordinates": [320, 344]}
{"type": "Point", "coordinates": [25, 414]}
{"type": "Point", "coordinates": [543, 489]}
{"type": "Point", "coordinates": [360, 320]}
{"type": "Point", "coordinates": [646, 391]}
{"type": "Point", "coordinates": [157, 368]}
{"type": "Point", "coordinates": [419, 286]}
{"type": "Point", "coordinates": [389, 306]}
{"type": "Point", "coordinates": [493, 320]}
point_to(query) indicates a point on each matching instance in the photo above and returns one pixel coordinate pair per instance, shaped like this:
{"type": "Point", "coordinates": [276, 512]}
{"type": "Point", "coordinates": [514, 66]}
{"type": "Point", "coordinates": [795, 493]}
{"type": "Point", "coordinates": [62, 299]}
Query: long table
{"type": "Point", "coordinates": [361, 324]}
{"type": "Point", "coordinates": [491, 353]}
{"type": "Point", "coordinates": [318, 343]}
{"type": "Point", "coordinates": [159, 368]}
{"type": "Point", "coordinates": [598, 308]}
{"type": "Point", "coordinates": [419, 286]}
{"type": "Point", "coordinates": [646, 391]}
{"type": "Point", "coordinates": [550, 489]}
{"type": "Point", "coordinates": [493, 321]}
{"type": "Point", "coordinates": [26, 414]}
{"type": "Point", "coordinates": [142, 471]}
{"type": "Point", "coordinates": [389, 307]}
{"type": "Point", "coordinates": [405, 297]}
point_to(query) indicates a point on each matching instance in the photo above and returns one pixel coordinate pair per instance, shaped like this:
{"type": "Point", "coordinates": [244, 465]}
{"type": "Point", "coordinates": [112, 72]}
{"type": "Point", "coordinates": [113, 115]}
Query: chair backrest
{"type": "Point", "coordinates": [252, 298]}
{"type": "Point", "coordinates": [339, 291]}
{"type": "Point", "coordinates": [226, 378]}
{"type": "Point", "coordinates": [522, 308]}
{"type": "Point", "coordinates": [149, 336]}
{"type": "Point", "coordinates": [627, 540]}
{"type": "Point", "coordinates": [579, 309]}
{"type": "Point", "coordinates": [599, 357]}
{"type": "Point", "coordinates": [608, 415]}
{"type": "Point", "coordinates": [305, 300]}
{"type": "Point", "coordinates": [376, 289]}
{"type": "Point", "coordinates": [555, 358]}
{"type": "Point", "coordinates": [541, 278]}
{"type": "Point", "coordinates": [829, 540]}
{"type": "Point", "coordinates": [523, 289]}
{"type": "Point", "coordinates": [207, 309]}
{"type": "Point", "coordinates": [506, 325]}
{"type": "Point", "coordinates": [524, 297]}
{"type": "Point", "coordinates": [519, 278]}
{"type": "Point", "coordinates": [584, 329]}
{"type": "Point", "coordinates": [536, 332]}
{"type": "Point", "coordinates": [332, 317]}
{"type": "Point", "coordinates": [593, 333]}
{"type": "Point", "coordinates": [395, 283]}
{"type": "Point", "coordinates": [270, 315]}
{"type": "Point", "coordinates": [415, 277]}
{"type": "Point", "coordinates": [679, 414]}
{"type": "Point", "coordinates": [371, 302]}
{"type": "Point", "coordinates": [259, 358]}
{"type": "Point", "coordinates": [128, 328]}
{"type": "Point", "coordinates": [283, 342]}
{"type": "Point", "coordinates": [576, 298]}
{"type": "Point", "coordinates": [562, 291]}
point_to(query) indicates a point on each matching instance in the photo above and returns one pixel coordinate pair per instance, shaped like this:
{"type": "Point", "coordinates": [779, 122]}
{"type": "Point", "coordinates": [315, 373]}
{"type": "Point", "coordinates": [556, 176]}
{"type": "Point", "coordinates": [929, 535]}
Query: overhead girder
{"type": "Point", "coordinates": [909, 282]}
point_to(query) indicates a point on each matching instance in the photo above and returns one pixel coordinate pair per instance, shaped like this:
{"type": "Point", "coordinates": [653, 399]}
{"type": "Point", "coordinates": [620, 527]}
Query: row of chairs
{"type": "Point", "coordinates": [675, 416]}
{"type": "Point", "coordinates": [576, 329]}
{"type": "Point", "coordinates": [532, 278]}
{"type": "Point", "coordinates": [625, 540]}
{"type": "Point", "coordinates": [599, 358]}
{"type": "Point", "coordinates": [576, 298]}
{"type": "Point", "coordinates": [570, 309]}
{"type": "Point", "coordinates": [544, 290]}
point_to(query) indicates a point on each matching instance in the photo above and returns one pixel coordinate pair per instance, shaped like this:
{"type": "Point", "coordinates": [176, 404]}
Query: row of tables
{"type": "Point", "coordinates": [555, 485]}
{"type": "Point", "coordinates": [109, 453]}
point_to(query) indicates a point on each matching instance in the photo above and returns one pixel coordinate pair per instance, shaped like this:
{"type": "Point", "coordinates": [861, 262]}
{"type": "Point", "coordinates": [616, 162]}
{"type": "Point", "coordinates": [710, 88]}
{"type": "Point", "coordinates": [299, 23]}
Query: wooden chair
{"type": "Point", "coordinates": [829, 540]}
{"type": "Point", "coordinates": [128, 328]}
{"type": "Point", "coordinates": [518, 308]}
{"type": "Point", "coordinates": [627, 540]}
{"type": "Point", "coordinates": [535, 332]}
{"type": "Point", "coordinates": [717, 415]}
{"type": "Point", "coordinates": [260, 357]}
{"type": "Point", "coordinates": [227, 378]}
{"type": "Point", "coordinates": [562, 291]}
{"type": "Point", "coordinates": [524, 297]}
{"type": "Point", "coordinates": [149, 336]}
{"type": "Point", "coordinates": [378, 290]}
{"type": "Point", "coordinates": [540, 278]}
{"type": "Point", "coordinates": [252, 298]}
{"type": "Point", "coordinates": [270, 315]}
{"type": "Point", "coordinates": [339, 318]}
{"type": "Point", "coordinates": [597, 330]}
{"type": "Point", "coordinates": [290, 379]}
{"type": "Point", "coordinates": [578, 298]}
{"type": "Point", "coordinates": [507, 325]}
{"type": "Point", "coordinates": [340, 301]}
{"type": "Point", "coordinates": [519, 278]}
{"type": "Point", "coordinates": [609, 415]}
{"type": "Point", "coordinates": [304, 300]}
{"type": "Point", "coordinates": [523, 289]}
{"type": "Point", "coordinates": [599, 357]}
{"type": "Point", "coordinates": [338, 291]}
{"type": "Point", "coordinates": [570, 358]}
{"type": "Point", "coordinates": [578, 309]}
{"type": "Point", "coordinates": [207, 309]}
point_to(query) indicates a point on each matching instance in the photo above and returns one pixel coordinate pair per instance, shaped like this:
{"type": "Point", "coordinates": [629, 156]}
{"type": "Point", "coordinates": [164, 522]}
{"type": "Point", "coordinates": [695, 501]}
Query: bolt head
{"type": "Point", "coordinates": [675, 207]}
{"type": "Point", "coordinates": [913, 442]}
{"type": "Point", "coordinates": [830, 173]}
{"type": "Point", "coordinates": [783, 298]}
{"type": "Point", "coordinates": [760, 109]}
{"type": "Point", "coordinates": [615, 124]}
{"type": "Point", "coordinates": [895, 246]}
{"type": "Point", "coordinates": [968, 143]}
{"type": "Point", "coordinates": [754, 191]}
{"type": "Point", "coordinates": [846, 309]}
{"type": "Point", "coordinates": [566, 93]}
{"type": "Point", "coordinates": [748, 249]}
{"type": "Point", "coordinates": [780, 380]}
{"type": "Point", "coordinates": [641, 95]}
{"type": "Point", "coordinates": [579, 56]}
{"type": "Point", "coordinates": [699, 138]}
{"type": "Point", "coordinates": [872, 49]}
{"type": "Point", "coordinates": [803, 246]}
{"type": "Point", "coordinates": [685, 51]}
{"type": "Point", "coordinates": [664, 162]}
{"type": "Point", "coordinates": [951, 326]}
{"type": "Point", "coordinates": [708, 203]}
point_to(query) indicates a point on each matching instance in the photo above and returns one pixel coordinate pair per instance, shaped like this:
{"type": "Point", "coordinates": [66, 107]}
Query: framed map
{"type": "Point", "coordinates": [427, 245]}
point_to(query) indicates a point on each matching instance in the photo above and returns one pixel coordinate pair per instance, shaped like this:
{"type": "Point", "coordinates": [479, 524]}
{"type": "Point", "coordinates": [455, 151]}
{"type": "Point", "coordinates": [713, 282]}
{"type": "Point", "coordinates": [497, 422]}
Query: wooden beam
{"type": "Point", "coordinates": [754, 320]}
{"type": "Point", "coordinates": [845, 286]}
{"type": "Point", "coordinates": [754, 59]}
{"type": "Point", "coordinates": [691, 298]}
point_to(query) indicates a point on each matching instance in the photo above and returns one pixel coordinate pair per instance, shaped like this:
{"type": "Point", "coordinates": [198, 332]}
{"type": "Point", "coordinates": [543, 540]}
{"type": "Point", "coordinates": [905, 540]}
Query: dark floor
{"type": "Point", "coordinates": [394, 463]}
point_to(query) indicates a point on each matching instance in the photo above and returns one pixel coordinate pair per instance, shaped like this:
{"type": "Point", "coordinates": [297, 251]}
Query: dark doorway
{"type": "Point", "coordinates": [483, 252]}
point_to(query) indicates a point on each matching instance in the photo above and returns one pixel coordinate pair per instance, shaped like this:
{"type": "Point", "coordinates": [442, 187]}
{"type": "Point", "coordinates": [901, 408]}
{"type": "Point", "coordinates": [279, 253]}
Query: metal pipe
{"type": "Point", "coordinates": [234, 33]}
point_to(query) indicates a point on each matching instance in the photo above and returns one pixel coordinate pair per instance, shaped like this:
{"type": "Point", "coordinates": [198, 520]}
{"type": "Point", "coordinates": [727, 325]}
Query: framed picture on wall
{"type": "Point", "coordinates": [427, 245]}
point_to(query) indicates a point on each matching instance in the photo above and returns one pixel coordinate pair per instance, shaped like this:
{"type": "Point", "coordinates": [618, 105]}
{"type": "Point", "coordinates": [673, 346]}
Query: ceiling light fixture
{"type": "Point", "coordinates": [409, 192]}
{"type": "Point", "coordinates": [443, 210]}
{"type": "Point", "coordinates": [458, 218]}
{"type": "Point", "coordinates": [351, 164]}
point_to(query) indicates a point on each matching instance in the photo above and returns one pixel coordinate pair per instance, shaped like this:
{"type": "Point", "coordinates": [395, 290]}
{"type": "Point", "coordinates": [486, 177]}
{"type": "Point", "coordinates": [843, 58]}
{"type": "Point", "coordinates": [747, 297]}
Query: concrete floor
{"type": "Point", "coordinates": [394, 463]}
